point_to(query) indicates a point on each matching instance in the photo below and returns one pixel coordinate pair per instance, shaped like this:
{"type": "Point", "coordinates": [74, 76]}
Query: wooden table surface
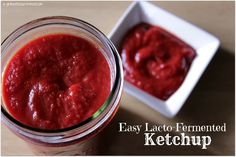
{"type": "Point", "coordinates": [211, 102]}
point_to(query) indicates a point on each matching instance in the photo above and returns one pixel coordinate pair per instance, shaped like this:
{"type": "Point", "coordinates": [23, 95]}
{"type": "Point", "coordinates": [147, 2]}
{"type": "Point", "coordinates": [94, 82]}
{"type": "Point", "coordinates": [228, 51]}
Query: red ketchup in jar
{"type": "Point", "coordinates": [56, 81]}
{"type": "Point", "coordinates": [155, 60]}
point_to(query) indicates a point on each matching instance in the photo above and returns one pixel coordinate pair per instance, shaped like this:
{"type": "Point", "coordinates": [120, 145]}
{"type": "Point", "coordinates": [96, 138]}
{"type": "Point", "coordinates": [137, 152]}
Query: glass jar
{"type": "Point", "coordinates": [78, 139]}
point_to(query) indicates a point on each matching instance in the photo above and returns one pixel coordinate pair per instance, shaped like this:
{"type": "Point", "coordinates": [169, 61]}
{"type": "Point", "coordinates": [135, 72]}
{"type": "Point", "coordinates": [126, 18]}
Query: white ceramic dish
{"type": "Point", "coordinates": [204, 44]}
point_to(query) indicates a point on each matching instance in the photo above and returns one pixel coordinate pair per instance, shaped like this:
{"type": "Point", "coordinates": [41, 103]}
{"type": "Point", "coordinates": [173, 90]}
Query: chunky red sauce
{"type": "Point", "coordinates": [56, 81]}
{"type": "Point", "coordinates": [155, 60]}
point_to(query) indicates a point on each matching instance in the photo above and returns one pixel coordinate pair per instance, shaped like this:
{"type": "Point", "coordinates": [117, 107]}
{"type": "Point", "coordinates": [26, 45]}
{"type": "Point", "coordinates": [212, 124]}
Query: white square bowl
{"type": "Point", "coordinates": [204, 44]}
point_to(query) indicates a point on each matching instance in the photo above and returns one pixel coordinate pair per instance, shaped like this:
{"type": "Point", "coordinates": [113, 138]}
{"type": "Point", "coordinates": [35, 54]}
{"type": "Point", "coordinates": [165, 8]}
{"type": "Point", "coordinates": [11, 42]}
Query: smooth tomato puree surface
{"type": "Point", "coordinates": [56, 81]}
{"type": "Point", "coordinates": [155, 60]}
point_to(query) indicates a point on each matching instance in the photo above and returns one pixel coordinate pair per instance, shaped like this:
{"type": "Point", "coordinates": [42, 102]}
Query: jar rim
{"type": "Point", "coordinates": [114, 92]}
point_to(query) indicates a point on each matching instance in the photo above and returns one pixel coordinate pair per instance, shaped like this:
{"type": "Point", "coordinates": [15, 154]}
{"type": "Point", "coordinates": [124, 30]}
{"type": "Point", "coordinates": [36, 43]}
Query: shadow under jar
{"type": "Point", "coordinates": [78, 139]}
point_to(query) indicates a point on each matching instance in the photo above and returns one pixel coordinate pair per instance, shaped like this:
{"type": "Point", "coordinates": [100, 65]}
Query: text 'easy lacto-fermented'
{"type": "Point", "coordinates": [184, 135]}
